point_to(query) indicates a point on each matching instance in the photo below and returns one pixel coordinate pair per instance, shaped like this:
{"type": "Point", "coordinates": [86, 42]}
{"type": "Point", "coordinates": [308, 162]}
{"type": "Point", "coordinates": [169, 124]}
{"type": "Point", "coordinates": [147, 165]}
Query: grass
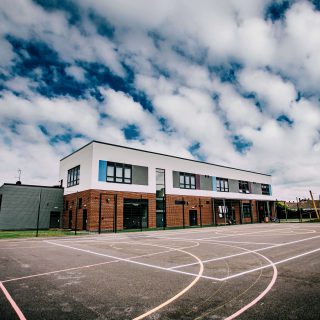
{"type": "Point", "coordinates": [42, 233]}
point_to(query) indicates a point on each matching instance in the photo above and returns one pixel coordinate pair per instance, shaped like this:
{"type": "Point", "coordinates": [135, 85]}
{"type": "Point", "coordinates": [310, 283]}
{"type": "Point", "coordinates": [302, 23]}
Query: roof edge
{"type": "Point", "coordinates": [165, 155]}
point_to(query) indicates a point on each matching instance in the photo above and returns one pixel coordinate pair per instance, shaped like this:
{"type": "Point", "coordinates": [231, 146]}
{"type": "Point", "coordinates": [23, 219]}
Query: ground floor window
{"type": "Point", "coordinates": [135, 213]}
{"type": "Point", "coordinates": [246, 210]}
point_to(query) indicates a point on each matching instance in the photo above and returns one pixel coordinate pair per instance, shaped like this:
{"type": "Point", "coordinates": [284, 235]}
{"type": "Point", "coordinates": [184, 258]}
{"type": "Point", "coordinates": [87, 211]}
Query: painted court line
{"type": "Point", "coordinates": [178, 295]}
{"type": "Point", "coordinates": [261, 295]}
{"type": "Point", "coordinates": [89, 266]}
{"type": "Point", "coordinates": [244, 253]}
{"type": "Point", "coordinates": [269, 265]}
{"type": "Point", "coordinates": [12, 302]}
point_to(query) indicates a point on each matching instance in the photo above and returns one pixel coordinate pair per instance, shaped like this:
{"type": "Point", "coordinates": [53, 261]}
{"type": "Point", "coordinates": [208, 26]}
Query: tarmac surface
{"type": "Point", "coordinates": [259, 271]}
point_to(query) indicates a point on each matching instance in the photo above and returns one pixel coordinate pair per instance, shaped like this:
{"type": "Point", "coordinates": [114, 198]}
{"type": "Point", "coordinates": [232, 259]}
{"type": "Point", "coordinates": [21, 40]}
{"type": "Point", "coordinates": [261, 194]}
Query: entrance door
{"type": "Point", "coordinates": [193, 217]}
{"type": "Point", "coordinates": [159, 220]}
{"type": "Point", "coordinates": [84, 219]}
{"type": "Point", "coordinates": [262, 210]}
{"type": "Point", "coordinates": [54, 219]}
{"type": "Point", "coordinates": [135, 213]}
{"type": "Point", "coordinates": [70, 219]}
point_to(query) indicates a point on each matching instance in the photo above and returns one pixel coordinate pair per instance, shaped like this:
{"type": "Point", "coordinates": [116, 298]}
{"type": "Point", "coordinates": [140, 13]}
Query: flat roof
{"type": "Point", "coordinates": [162, 154]}
{"type": "Point", "coordinates": [31, 185]}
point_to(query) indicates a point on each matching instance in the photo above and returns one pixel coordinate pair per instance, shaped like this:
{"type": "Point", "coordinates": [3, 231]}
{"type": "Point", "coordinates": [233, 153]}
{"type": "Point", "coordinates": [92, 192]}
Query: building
{"type": "Point", "coordinates": [111, 187]}
{"type": "Point", "coordinates": [20, 206]}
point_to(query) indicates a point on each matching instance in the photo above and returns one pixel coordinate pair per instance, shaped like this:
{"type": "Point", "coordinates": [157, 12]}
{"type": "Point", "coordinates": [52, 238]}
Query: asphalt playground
{"type": "Point", "coordinates": [259, 271]}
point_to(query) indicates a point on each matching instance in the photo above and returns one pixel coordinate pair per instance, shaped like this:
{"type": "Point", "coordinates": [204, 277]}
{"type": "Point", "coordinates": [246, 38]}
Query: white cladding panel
{"type": "Point", "coordinates": [88, 159]}
{"type": "Point", "coordinates": [82, 157]}
{"type": "Point", "coordinates": [153, 161]}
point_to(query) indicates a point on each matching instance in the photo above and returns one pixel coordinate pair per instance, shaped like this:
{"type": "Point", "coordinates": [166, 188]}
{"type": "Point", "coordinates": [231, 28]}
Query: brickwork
{"type": "Point", "coordinates": [175, 211]}
{"type": "Point", "coordinates": [112, 205]}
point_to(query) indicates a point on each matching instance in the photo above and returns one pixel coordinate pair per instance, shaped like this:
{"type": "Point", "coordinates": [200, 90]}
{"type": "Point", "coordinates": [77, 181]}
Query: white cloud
{"type": "Point", "coordinates": [277, 93]}
{"type": "Point", "coordinates": [76, 72]}
{"type": "Point", "coordinates": [172, 48]}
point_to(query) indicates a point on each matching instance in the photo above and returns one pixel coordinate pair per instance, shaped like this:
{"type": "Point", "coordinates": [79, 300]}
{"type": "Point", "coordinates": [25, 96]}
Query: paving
{"type": "Point", "coordinates": [259, 271]}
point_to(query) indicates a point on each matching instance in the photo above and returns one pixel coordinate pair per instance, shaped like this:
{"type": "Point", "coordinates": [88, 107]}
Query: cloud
{"type": "Point", "coordinates": [232, 82]}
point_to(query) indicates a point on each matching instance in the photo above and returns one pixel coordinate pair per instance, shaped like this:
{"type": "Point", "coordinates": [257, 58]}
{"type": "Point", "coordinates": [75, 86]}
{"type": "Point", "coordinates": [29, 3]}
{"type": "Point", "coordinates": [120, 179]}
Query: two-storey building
{"type": "Point", "coordinates": [111, 187]}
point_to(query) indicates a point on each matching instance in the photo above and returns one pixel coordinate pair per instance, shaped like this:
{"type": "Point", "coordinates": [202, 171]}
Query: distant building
{"type": "Point", "coordinates": [19, 205]}
{"type": "Point", "coordinates": [110, 187]}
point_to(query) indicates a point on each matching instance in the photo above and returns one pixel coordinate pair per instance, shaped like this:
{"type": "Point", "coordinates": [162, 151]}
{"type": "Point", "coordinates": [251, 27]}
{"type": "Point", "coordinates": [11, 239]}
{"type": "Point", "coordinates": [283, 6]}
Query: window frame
{"type": "Point", "coordinates": [221, 184]}
{"type": "Point", "coordinates": [73, 178]}
{"type": "Point", "coordinates": [244, 186]}
{"type": "Point", "coordinates": [119, 176]}
{"type": "Point", "coordinates": [187, 180]}
{"type": "Point", "coordinates": [265, 189]}
{"type": "Point", "coordinates": [247, 210]}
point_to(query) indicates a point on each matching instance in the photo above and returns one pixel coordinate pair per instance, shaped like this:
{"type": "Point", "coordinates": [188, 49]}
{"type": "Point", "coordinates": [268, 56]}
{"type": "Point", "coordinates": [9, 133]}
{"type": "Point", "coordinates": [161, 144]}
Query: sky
{"type": "Point", "coordinates": [232, 82]}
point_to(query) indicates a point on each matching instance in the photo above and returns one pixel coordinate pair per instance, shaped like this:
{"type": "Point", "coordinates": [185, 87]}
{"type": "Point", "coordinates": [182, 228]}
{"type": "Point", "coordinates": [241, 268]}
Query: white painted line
{"type": "Point", "coordinates": [261, 295]}
{"type": "Point", "coordinates": [244, 253]}
{"type": "Point", "coordinates": [137, 262]}
{"type": "Point", "coordinates": [89, 266]}
{"type": "Point", "coordinates": [243, 242]}
{"type": "Point", "coordinates": [12, 302]}
{"type": "Point", "coordinates": [269, 265]}
{"type": "Point", "coordinates": [178, 295]}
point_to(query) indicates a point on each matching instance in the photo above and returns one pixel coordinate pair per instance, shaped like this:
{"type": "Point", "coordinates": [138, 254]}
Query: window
{"type": "Point", "coordinates": [119, 172]}
{"type": "Point", "coordinates": [79, 203]}
{"type": "Point", "coordinates": [187, 180]}
{"type": "Point", "coordinates": [244, 186]}
{"type": "Point", "coordinates": [265, 188]}
{"type": "Point", "coordinates": [222, 185]}
{"type": "Point", "coordinates": [73, 176]}
{"type": "Point", "coordinates": [246, 210]}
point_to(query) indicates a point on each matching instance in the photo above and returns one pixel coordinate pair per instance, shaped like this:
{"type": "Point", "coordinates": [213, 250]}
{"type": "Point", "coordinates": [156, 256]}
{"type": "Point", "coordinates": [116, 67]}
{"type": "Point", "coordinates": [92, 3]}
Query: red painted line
{"type": "Point", "coordinates": [12, 302]}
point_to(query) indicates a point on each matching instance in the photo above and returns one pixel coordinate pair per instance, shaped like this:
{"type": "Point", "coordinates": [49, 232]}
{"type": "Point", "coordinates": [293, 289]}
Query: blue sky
{"type": "Point", "coordinates": [230, 82]}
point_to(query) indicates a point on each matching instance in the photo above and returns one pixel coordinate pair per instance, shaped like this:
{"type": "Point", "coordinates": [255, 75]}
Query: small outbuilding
{"type": "Point", "coordinates": [24, 207]}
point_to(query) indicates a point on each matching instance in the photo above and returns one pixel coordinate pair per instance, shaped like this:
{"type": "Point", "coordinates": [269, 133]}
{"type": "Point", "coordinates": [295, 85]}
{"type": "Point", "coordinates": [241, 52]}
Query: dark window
{"type": "Point", "coordinates": [73, 176]}
{"type": "Point", "coordinates": [187, 180]}
{"type": "Point", "coordinates": [222, 185]}
{"type": "Point", "coordinates": [119, 172]}
{"type": "Point", "coordinates": [244, 186]}
{"type": "Point", "coordinates": [67, 205]}
{"type": "Point", "coordinates": [79, 203]}
{"type": "Point", "coordinates": [265, 188]}
{"type": "Point", "coordinates": [246, 210]}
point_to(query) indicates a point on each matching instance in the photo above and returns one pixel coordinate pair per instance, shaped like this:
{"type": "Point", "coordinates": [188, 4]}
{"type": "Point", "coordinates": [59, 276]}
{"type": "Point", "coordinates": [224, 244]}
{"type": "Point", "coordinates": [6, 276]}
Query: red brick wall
{"type": "Point", "coordinates": [174, 212]}
{"type": "Point", "coordinates": [91, 201]}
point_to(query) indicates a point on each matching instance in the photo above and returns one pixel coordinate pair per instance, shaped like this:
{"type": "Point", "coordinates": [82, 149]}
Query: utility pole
{"type": "Point", "coordinates": [314, 204]}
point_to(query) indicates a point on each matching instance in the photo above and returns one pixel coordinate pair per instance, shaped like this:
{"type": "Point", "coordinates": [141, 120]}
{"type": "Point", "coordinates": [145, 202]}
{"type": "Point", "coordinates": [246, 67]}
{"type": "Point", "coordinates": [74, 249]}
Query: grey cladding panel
{"type": "Point", "coordinates": [206, 183]}
{"type": "Point", "coordinates": [233, 185]}
{"type": "Point", "coordinates": [256, 188]}
{"type": "Point", "coordinates": [140, 175]}
{"type": "Point", "coordinates": [20, 206]}
{"type": "Point", "coordinates": [175, 178]}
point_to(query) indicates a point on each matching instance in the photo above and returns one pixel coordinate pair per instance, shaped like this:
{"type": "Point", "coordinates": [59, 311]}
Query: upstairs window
{"type": "Point", "coordinates": [119, 172]}
{"type": "Point", "coordinates": [244, 186]}
{"type": "Point", "coordinates": [265, 188]}
{"type": "Point", "coordinates": [187, 180]}
{"type": "Point", "coordinates": [73, 176]}
{"type": "Point", "coordinates": [222, 185]}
